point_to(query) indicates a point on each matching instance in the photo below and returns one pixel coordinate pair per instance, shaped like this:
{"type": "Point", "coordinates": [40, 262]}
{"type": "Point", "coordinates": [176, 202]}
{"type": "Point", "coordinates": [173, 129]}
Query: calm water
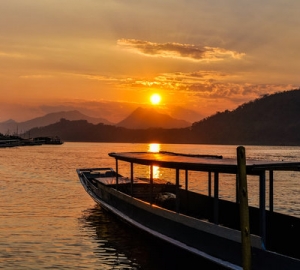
{"type": "Point", "coordinates": [47, 221]}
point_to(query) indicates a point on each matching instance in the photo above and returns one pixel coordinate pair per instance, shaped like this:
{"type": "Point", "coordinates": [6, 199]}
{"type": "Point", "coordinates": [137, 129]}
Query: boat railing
{"type": "Point", "coordinates": [214, 168]}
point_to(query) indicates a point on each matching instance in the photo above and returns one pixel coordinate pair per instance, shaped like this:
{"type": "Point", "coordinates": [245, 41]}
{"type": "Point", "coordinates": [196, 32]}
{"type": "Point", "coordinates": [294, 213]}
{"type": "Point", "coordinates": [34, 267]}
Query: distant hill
{"type": "Point", "coordinates": [269, 120]}
{"type": "Point", "coordinates": [144, 118]}
{"type": "Point", "coordinates": [13, 127]}
{"type": "Point", "coordinates": [82, 131]}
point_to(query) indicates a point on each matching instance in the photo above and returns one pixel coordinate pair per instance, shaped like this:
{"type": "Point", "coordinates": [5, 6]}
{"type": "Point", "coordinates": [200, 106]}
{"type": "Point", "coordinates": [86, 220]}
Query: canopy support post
{"type": "Point", "coordinates": [244, 209]}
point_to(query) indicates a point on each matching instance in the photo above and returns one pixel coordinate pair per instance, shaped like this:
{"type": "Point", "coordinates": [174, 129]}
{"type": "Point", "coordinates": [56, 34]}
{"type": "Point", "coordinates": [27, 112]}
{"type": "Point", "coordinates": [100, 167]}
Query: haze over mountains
{"type": "Point", "coordinates": [269, 120]}
{"type": "Point", "coordinates": [13, 127]}
{"type": "Point", "coordinates": [139, 118]}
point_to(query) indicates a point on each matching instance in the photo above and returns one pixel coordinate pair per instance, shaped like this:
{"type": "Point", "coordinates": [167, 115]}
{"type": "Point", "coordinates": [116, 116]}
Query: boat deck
{"type": "Point", "coordinates": [109, 181]}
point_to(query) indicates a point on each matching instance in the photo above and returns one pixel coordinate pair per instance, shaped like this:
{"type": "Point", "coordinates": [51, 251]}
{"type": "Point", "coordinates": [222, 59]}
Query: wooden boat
{"type": "Point", "coordinates": [203, 224]}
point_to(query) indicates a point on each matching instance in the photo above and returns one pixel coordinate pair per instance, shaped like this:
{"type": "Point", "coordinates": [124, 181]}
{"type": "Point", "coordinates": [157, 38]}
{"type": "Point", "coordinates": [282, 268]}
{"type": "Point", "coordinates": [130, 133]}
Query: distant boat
{"type": "Point", "coordinates": [29, 142]}
{"type": "Point", "coordinates": [205, 225]}
{"type": "Point", "coordinates": [48, 140]}
{"type": "Point", "coordinates": [9, 143]}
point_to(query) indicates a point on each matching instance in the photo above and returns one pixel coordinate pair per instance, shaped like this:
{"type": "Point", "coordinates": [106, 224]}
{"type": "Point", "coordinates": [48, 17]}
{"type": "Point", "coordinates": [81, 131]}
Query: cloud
{"type": "Point", "coordinates": [210, 85]}
{"type": "Point", "coordinates": [177, 50]}
{"type": "Point", "coordinates": [207, 84]}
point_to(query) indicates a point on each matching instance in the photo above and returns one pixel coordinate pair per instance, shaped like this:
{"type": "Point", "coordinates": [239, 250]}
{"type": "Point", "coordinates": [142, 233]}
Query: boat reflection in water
{"type": "Point", "coordinates": [119, 246]}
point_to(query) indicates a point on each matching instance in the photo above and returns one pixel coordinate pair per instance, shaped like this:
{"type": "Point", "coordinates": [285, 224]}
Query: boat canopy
{"type": "Point", "coordinates": [202, 162]}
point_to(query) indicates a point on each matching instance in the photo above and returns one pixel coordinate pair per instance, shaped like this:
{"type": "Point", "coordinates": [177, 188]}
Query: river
{"type": "Point", "coordinates": [47, 221]}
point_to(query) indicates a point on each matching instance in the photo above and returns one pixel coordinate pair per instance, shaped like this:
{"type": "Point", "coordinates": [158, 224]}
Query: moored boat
{"type": "Point", "coordinates": [9, 143]}
{"type": "Point", "coordinates": [203, 224]}
{"type": "Point", "coordinates": [48, 140]}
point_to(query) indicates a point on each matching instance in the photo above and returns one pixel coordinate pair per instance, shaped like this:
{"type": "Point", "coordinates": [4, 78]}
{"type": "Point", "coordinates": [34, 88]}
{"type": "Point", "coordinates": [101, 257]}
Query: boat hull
{"type": "Point", "coordinates": [218, 244]}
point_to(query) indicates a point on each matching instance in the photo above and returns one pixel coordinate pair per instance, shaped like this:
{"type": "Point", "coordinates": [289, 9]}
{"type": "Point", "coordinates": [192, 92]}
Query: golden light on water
{"type": "Point", "coordinates": [155, 171]}
{"type": "Point", "coordinates": [154, 147]}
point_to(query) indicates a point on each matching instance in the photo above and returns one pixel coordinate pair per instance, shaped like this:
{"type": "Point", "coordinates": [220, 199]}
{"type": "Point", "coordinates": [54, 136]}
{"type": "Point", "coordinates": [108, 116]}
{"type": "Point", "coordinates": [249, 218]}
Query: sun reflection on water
{"type": "Point", "coordinates": [154, 147]}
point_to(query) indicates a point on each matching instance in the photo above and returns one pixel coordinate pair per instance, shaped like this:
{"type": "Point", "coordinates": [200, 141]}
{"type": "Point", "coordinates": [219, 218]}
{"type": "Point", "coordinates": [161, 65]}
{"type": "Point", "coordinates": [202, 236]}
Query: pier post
{"type": "Point", "coordinates": [244, 209]}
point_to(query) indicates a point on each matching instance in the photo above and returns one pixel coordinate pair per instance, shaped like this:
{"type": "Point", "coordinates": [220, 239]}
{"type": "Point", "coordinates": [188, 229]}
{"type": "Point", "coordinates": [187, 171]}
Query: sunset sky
{"type": "Point", "coordinates": [99, 55]}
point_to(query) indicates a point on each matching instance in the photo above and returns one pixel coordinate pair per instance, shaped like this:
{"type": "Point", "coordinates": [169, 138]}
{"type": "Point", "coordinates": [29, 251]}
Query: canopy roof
{"type": "Point", "coordinates": [202, 162]}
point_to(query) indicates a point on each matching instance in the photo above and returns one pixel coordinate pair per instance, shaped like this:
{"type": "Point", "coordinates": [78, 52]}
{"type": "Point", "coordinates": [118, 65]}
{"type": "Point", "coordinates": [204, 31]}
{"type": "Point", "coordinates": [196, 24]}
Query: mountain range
{"type": "Point", "coordinates": [13, 127]}
{"type": "Point", "coordinates": [268, 120]}
{"type": "Point", "coordinates": [140, 118]}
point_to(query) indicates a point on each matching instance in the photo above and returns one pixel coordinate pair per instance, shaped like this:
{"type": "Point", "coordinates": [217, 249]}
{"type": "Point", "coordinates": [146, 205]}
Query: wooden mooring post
{"type": "Point", "coordinates": [244, 209]}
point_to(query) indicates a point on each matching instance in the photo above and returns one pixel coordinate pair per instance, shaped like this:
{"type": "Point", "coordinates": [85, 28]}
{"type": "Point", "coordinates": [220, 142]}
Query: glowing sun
{"type": "Point", "coordinates": [155, 99]}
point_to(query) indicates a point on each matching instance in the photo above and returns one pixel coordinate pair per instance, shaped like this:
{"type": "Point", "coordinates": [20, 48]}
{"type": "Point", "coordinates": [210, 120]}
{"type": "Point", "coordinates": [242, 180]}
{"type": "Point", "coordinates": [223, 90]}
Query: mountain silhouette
{"type": "Point", "coordinates": [269, 120]}
{"type": "Point", "coordinates": [13, 127]}
{"type": "Point", "coordinates": [144, 118]}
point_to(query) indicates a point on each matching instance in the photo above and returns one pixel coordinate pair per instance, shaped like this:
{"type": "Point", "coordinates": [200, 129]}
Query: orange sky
{"type": "Point", "coordinates": [206, 56]}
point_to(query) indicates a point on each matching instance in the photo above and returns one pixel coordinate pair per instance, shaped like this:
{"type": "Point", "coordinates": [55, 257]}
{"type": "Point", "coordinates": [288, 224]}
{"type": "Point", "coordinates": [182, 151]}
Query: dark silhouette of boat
{"type": "Point", "coordinates": [228, 233]}
{"type": "Point", "coordinates": [48, 140]}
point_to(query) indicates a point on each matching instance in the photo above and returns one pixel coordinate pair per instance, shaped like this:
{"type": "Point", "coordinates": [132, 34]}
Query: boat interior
{"type": "Point", "coordinates": [282, 231]}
